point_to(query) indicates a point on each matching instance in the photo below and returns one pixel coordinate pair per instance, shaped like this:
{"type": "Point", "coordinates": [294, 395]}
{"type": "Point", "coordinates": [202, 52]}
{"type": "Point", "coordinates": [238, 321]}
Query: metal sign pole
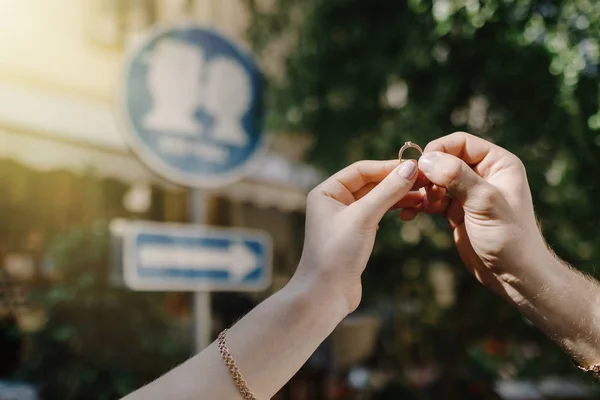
{"type": "Point", "coordinates": [202, 320]}
{"type": "Point", "coordinates": [165, 132]}
{"type": "Point", "coordinates": [201, 305]}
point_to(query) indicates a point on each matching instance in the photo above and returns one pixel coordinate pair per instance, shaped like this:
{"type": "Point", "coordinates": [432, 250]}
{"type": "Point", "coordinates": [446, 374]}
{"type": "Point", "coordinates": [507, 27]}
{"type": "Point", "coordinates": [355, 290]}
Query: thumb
{"type": "Point", "coordinates": [455, 175]}
{"type": "Point", "coordinates": [373, 206]}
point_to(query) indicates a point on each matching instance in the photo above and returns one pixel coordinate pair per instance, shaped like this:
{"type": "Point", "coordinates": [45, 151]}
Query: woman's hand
{"type": "Point", "coordinates": [275, 339]}
{"type": "Point", "coordinates": [342, 218]}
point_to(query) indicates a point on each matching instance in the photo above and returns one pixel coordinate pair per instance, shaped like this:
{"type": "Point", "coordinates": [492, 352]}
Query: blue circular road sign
{"type": "Point", "coordinates": [191, 103]}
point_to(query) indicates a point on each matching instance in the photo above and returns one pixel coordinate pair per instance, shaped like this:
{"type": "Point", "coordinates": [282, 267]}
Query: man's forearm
{"type": "Point", "coordinates": [269, 345]}
{"type": "Point", "coordinates": [562, 302]}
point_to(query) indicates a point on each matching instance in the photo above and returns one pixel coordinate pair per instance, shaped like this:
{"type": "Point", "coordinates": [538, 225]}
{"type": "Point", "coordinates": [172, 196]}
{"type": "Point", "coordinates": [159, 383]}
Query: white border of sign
{"type": "Point", "coordinates": [153, 162]}
{"type": "Point", "coordinates": [130, 230]}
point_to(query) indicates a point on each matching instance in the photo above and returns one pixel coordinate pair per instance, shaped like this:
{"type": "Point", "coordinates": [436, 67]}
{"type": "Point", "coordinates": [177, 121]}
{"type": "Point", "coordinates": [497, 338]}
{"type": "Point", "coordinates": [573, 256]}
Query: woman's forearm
{"type": "Point", "coordinates": [269, 345]}
{"type": "Point", "coordinates": [272, 342]}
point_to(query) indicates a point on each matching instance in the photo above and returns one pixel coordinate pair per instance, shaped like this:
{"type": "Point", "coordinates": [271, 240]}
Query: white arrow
{"type": "Point", "coordinates": [237, 259]}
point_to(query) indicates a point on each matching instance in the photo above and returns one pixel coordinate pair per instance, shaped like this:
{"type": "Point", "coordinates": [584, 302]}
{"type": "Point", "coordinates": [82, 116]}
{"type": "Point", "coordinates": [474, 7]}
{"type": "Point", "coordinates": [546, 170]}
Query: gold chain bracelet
{"type": "Point", "coordinates": [593, 369]}
{"type": "Point", "coordinates": [234, 371]}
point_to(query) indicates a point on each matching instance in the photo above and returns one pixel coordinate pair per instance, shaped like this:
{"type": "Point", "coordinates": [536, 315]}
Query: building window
{"type": "Point", "coordinates": [113, 23]}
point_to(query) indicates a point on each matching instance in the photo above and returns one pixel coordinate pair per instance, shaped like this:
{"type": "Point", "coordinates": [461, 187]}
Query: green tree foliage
{"type": "Point", "coordinates": [364, 76]}
{"type": "Point", "coordinates": [100, 341]}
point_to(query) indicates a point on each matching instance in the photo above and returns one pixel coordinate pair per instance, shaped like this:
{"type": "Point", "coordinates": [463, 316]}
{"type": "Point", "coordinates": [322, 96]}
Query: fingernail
{"type": "Point", "coordinates": [407, 169]}
{"type": "Point", "coordinates": [427, 161]}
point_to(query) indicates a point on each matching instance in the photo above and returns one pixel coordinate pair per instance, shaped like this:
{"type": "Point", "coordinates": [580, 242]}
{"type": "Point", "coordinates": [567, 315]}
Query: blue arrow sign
{"type": "Point", "coordinates": [160, 256]}
{"type": "Point", "coordinates": [191, 106]}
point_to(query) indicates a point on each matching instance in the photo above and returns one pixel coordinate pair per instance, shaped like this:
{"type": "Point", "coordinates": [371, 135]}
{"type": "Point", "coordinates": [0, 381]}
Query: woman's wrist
{"type": "Point", "coordinates": [316, 293]}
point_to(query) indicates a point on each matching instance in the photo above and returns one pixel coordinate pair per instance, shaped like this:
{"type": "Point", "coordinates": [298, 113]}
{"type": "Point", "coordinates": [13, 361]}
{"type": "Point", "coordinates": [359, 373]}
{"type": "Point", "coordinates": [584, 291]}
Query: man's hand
{"type": "Point", "coordinates": [342, 217]}
{"type": "Point", "coordinates": [496, 233]}
{"type": "Point", "coordinates": [490, 210]}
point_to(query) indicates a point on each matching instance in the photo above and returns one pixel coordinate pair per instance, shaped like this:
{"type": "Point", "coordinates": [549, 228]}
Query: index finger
{"type": "Point", "coordinates": [473, 150]}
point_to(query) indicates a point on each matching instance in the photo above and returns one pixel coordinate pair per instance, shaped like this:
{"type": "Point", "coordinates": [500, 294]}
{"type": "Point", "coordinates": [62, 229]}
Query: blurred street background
{"type": "Point", "coordinates": [343, 80]}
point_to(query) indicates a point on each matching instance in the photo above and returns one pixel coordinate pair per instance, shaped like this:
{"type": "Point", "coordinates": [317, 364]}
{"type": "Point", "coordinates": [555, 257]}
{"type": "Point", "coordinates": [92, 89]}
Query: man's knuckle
{"type": "Point", "coordinates": [489, 194]}
{"type": "Point", "coordinates": [518, 164]}
{"type": "Point", "coordinates": [460, 134]}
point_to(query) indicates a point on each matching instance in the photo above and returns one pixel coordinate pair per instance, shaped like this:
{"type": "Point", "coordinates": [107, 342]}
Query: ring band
{"type": "Point", "coordinates": [407, 146]}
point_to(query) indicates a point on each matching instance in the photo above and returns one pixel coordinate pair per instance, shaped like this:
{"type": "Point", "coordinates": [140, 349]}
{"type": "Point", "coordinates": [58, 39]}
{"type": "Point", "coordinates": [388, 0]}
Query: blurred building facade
{"type": "Point", "coordinates": [57, 95]}
{"type": "Point", "coordinates": [64, 161]}
{"type": "Point", "coordinates": [63, 158]}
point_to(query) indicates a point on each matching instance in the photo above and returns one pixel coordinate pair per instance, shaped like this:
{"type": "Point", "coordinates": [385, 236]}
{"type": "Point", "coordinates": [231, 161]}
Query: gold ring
{"type": "Point", "coordinates": [407, 146]}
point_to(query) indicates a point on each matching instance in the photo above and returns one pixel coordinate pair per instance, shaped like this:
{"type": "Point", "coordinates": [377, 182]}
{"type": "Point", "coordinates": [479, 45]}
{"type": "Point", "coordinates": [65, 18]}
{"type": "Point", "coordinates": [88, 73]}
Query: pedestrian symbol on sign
{"type": "Point", "coordinates": [173, 80]}
{"type": "Point", "coordinates": [192, 106]}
